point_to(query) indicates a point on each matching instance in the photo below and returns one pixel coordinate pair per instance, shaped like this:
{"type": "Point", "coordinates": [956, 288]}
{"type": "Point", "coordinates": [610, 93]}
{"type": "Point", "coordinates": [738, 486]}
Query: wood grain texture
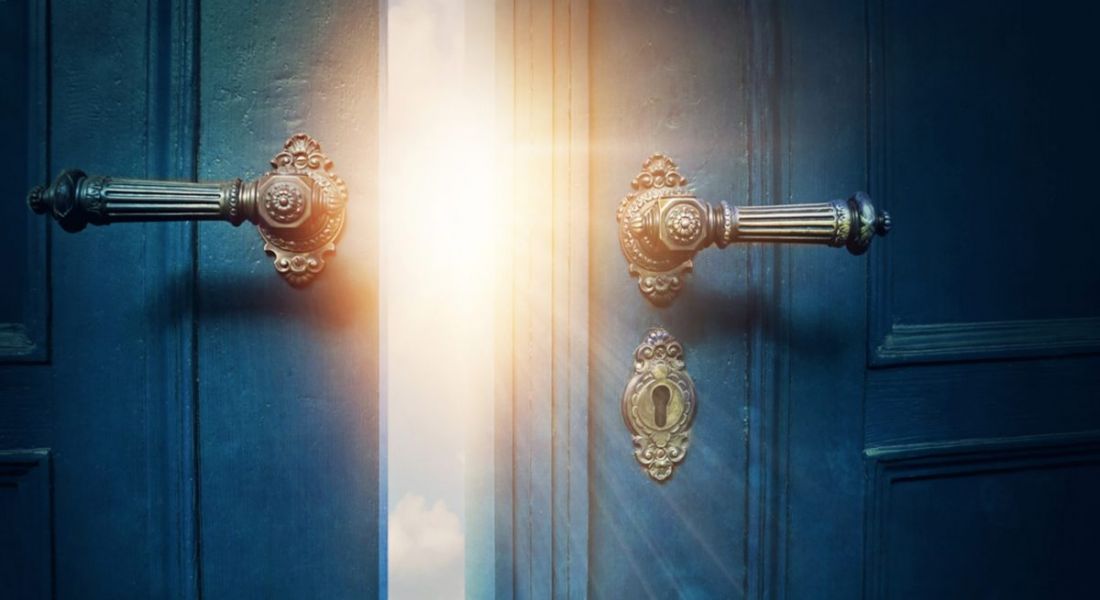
{"type": "Point", "coordinates": [943, 297]}
{"type": "Point", "coordinates": [544, 351]}
{"type": "Point", "coordinates": [109, 401]}
{"type": "Point", "coordinates": [118, 400]}
{"type": "Point", "coordinates": [935, 403]}
{"type": "Point", "coordinates": [767, 357]}
{"type": "Point", "coordinates": [669, 77]}
{"type": "Point", "coordinates": [946, 342]}
{"type": "Point", "coordinates": [26, 524]}
{"type": "Point", "coordinates": [171, 153]}
{"type": "Point", "coordinates": [289, 432]}
{"type": "Point", "coordinates": [989, 128]}
{"type": "Point", "coordinates": [24, 126]}
{"type": "Point", "coordinates": [823, 64]}
{"type": "Point", "coordinates": [983, 517]}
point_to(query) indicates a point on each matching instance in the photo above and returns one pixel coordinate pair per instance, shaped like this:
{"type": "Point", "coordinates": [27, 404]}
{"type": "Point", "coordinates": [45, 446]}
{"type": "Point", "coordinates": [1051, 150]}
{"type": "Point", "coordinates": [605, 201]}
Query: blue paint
{"type": "Point", "coordinates": [24, 314]}
{"type": "Point", "coordinates": [210, 431]}
{"type": "Point", "coordinates": [661, 81]}
{"type": "Point", "coordinates": [920, 423]}
{"type": "Point", "coordinates": [25, 524]}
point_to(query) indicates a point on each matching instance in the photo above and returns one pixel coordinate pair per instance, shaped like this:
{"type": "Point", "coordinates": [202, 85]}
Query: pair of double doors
{"type": "Point", "coordinates": [917, 423]}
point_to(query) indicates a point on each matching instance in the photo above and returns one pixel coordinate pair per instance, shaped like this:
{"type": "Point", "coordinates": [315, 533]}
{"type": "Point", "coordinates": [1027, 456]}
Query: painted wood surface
{"type": "Point", "coordinates": [288, 433]}
{"type": "Point", "coordinates": [117, 457]}
{"type": "Point", "coordinates": [669, 78]}
{"type": "Point", "coordinates": [918, 423]}
{"type": "Point", "coordinates": [541, 532]}
{"type": "Point", "coordinates": [24, 57]}
{"type": "Point", "coordinates": [209, 430]}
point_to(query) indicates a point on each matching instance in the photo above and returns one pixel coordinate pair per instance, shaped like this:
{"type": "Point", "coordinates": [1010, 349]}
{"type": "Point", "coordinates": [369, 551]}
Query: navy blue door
{"type": "Point", "coordinates": [175, 420]}
{"type": "Point", "coordinates": [921, 422]}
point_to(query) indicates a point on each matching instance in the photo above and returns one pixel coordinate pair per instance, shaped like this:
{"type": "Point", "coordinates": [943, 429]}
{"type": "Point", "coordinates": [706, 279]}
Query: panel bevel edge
{"type": "Point", "coordinates": [886, 465]}
{"type": "Point", "coordinates": [29, 457]}
{"type": "Point", "coordinates": [765, 507]}
{"type": "Point", "coordinates": [549, 440]}
{"type": "Point", "coordinates": [878, 269]}
{"type": "Point", "coordinates": [28, 341]}
{"type": "Point", "coordinates": [946, 342]}
{"type": "Point", "coordinates": [171, 152]}
{"type": "Point", "coordinates": [29, 470]}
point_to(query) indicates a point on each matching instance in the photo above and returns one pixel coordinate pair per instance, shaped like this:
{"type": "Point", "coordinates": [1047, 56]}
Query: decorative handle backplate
{"type": "Point", "coordinates": [662, 225]}
{"type": "Point", "coordinates": [299, 207]}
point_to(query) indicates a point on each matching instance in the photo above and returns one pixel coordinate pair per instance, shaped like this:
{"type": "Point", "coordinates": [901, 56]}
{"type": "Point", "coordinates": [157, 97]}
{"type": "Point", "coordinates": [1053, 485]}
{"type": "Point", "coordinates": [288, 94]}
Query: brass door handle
{"type": "Point", "coordinates": [299, 207]}
{"type": "Point", "coordinates": [662, 225]}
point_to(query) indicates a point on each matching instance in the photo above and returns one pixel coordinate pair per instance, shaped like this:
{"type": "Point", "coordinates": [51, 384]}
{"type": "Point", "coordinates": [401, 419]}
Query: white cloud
{"type": "Point", "coordinates": [426, 551]}
{"type": "Point", "coordinates": [425, 153]}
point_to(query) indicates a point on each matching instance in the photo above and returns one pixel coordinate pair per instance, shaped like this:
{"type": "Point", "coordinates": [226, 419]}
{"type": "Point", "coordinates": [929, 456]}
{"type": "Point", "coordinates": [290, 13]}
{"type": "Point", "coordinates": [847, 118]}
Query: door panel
{"type": "Point", "coordinates": [112, 474]}
{"type": "Point", "coordinates": [919, 423]}
{"type": "Point", "coordinates": [25, 528]}
{"type": "Point", "coordinates": [986, 116]}
{"type": "Point", "coordinates": [290, 466]}
{"type": "Point", "coordinates": [23, 65]}
{"type": "Point", "coordinates": [989, 519]}
{"type": "Point", "coordinates": [823, 99]}
{"type": "Point", "coordinates": [686, 537]}
{"type": "Point", "coordinates": [193, 425]}
{"type": "Point", "coordinates": [969, 465]}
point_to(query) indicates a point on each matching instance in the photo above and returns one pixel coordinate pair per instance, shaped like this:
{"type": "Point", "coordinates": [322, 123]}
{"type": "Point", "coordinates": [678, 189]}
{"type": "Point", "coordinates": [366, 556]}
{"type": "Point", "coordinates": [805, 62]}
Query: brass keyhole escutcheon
{"type": "Point", "coordinates": [659, 404]}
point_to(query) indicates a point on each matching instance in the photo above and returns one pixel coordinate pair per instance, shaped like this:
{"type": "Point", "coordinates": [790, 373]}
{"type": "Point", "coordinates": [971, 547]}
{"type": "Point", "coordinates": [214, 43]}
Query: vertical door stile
{"type": "Point", "coordinates": [549, 275]}
{"type": "Point", "coordinates": [766, 364]}
{"type": "Point", "coordinates": [172, 153]}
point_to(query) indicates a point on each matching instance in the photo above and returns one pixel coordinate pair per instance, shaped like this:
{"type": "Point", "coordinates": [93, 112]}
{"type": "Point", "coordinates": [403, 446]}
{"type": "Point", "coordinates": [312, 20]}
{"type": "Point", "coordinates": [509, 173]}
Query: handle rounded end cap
{"type": "Point", "coordinates": [36, 200]}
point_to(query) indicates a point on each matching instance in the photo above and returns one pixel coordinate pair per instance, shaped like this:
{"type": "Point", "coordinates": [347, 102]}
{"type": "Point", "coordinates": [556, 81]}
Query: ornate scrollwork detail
{"type": "Point", "coordinates": [299, 269]}
{"type": "Point", "coordinates": [300, 153]}
{"type": "Point", "coordinates": [841, 223]}
{"type": "Point", "coordinates": [870, 223]}
{"type": "Point", "coordinates": [662, 288]}
{"type": "Point", "coordinates": [658, 404]}
{"type": "Point", "coordinates": [96, 202]}
{"type": "Point", "coordinates": [94, 188]}
{"type": "Point", "coordinates": [663, 225]}
{"type": "Point", "coordinates": [284, 203]}
{"type": "Point", "coordinates": [727, 216]}
{"type": "Point", "coordinates": [298, 207]}
{"type": "Point", "coordinates": [659, 272]}
{"type": "Point", "coordinates": [658, 171]}
{"type": "Point", "coordinates": [685, 223]}
{"type": "Point", "coordinates": [300, 253]}
{"type": "Point", "coordinates": [233, 199]}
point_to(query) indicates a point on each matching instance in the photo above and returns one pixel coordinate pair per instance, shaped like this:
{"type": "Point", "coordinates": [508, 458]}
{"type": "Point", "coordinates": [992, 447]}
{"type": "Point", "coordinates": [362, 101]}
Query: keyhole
{"type": "Point", "coordinates": [661, 395]}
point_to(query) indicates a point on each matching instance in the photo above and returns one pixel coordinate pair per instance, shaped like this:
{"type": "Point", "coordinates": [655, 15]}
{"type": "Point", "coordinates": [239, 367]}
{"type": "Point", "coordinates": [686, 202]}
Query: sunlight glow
{"type": "Point", "coordinates": [438, 238]}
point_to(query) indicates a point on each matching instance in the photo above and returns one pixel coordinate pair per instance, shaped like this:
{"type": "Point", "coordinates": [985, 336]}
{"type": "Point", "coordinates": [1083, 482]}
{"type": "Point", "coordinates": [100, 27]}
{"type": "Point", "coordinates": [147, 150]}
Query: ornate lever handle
{"type": "Point", "coordinates": [662, 225]}
{"type": "Point", "coordinates": [299, 207]}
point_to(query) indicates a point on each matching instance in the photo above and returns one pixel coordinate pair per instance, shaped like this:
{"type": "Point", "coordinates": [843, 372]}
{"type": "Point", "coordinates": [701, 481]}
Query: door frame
{"type": "Point", "coordinates": [541, 517]}
{"type": "Point", "coordinates": [542, 415]}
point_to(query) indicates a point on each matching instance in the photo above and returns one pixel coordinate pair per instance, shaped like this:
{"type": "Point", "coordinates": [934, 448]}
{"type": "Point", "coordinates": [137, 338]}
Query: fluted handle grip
{"type": "Point", "coordinates": [662, 225]}
{"type": "Point", "coordinates": [298, 207]}
{"type": "Point", "coordinates": [851, 223]}
{"type": "Point", "coordinates": [76, 200]}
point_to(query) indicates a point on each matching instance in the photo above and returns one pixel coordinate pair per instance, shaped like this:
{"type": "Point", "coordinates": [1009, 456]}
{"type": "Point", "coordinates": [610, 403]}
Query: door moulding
{"type": "Point", "coordinates": [28, 340]}
{"type": "Point", "coordinates": [888, 466]}
{"type": "Point", "coordinates": [25, 475]}
{"type": "Point", "coordinates": [542, 341]}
